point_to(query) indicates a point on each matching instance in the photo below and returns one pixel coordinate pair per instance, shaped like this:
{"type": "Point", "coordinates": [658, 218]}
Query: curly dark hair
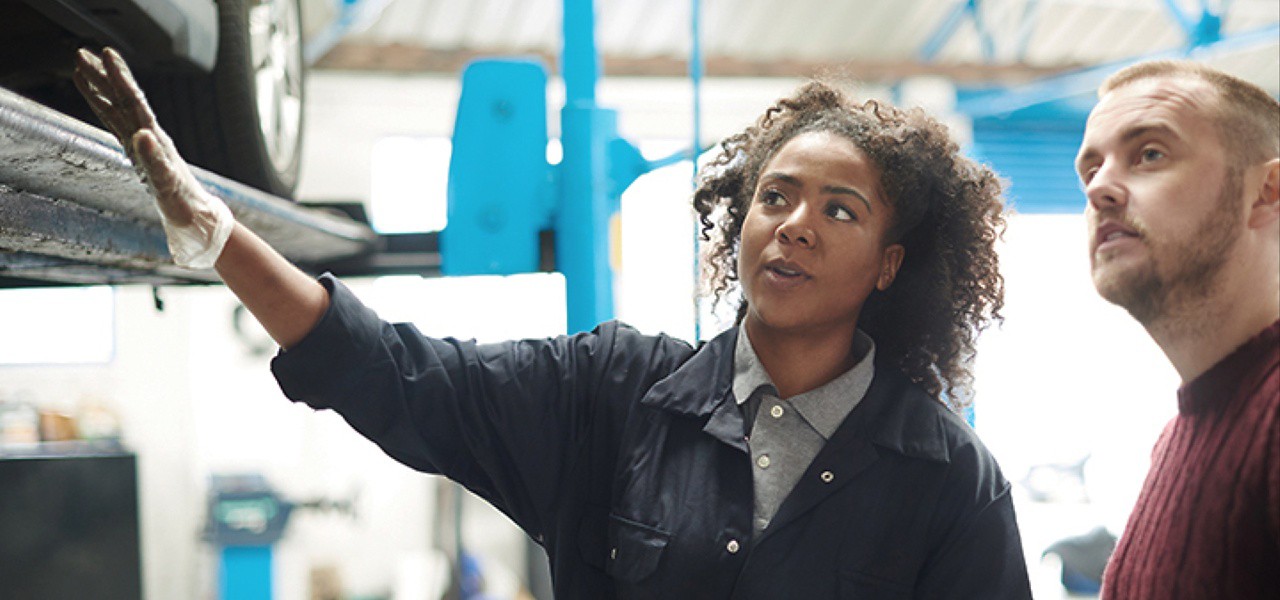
{"type": "Point", "coordinates": [947, 214]}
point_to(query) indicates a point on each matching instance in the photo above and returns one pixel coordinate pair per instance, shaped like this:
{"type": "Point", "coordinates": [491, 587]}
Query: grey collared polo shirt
{"type": "Point", "coordinates": [786, 434]}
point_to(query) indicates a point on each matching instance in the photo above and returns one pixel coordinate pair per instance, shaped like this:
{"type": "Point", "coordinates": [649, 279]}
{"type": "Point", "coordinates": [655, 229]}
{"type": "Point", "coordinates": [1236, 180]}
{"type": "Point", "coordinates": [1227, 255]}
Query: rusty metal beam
{"type": "Point", "coordinates": [407, 58]}
{"type": "Point", "coordinates": [68, 193]}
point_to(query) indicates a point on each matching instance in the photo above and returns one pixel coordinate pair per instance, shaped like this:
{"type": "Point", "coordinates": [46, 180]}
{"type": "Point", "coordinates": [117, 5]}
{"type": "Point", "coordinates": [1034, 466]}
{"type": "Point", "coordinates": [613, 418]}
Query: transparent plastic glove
{"type": "Point", "coordinates": [196, 223]}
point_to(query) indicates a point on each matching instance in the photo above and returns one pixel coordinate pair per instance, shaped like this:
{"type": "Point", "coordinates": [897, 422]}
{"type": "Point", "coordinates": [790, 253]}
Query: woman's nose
{"type": "Point", "coordinates": [797, 230]}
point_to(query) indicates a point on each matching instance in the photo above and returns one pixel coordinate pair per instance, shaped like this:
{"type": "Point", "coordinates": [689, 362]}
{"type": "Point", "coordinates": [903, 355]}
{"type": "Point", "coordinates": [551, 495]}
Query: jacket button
{"type": "Point", "coordinates": [776, 411]}
{"type": "Point", "coordinates": [827, 476]}
{"type": "Point", "coordinates": [732, 546]}
{"type": "Point", "coordinates": [613, 553]}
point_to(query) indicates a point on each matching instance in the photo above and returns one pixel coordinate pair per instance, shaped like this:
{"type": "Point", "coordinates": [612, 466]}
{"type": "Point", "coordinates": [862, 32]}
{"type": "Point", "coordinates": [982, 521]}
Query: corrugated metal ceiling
{"type": "Point", "coordinates": [796, 37]}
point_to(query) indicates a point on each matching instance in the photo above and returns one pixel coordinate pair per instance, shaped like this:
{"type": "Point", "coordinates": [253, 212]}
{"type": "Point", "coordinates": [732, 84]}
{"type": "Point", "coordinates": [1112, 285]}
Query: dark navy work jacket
{"type": "Point", "coordinates": [623, 455]}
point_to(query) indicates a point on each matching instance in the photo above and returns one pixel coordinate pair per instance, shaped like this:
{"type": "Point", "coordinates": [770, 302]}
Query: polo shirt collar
{"type": "Point", "coordinates": [825, 407]}
{"type": "Point", "coordinates": [701, 388]}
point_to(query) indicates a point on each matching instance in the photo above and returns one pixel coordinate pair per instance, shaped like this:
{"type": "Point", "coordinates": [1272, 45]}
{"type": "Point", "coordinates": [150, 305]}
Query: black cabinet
{"type": "Point", "coordinates": [69, 525]}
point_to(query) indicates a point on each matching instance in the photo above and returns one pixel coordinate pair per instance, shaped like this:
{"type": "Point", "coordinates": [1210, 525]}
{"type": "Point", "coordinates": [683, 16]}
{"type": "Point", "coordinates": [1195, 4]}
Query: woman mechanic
{"type": "Point", "coordinates": [805, 453]}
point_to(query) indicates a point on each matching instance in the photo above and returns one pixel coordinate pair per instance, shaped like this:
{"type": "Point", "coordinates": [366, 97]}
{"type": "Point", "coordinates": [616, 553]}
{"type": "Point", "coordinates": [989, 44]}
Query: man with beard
{"type": "Point", "coordinates": [1181, 167]}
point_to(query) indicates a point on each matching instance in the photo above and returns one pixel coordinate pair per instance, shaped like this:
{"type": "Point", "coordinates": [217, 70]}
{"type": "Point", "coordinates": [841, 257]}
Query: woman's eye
{"type": "Point", "coordinates": [840, 213]}
{"type": "Point", "coordinates": [772, 198]}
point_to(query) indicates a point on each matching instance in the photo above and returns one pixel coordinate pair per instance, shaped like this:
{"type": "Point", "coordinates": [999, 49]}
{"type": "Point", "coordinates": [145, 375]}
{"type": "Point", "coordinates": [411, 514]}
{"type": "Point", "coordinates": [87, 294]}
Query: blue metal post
{"type": "Point", "coordinates": [1208, 29]}
{"type": "Point", "coordinates": [988, 44]}
{"type": "Point", "coordinates": [695, 77]}
{"type": "Point", "coordinates": [1199, 32]}
{"type": "Point", "coordinates": [581, 66]}
{"type": "Point", "coordinates": [945, 30]}
{"type": "Point", "coordinates": [951, 23]}
{"type": "Point", "coordinates": [245, 573]}
{"type": "Point", "coordinates": [582, 223]}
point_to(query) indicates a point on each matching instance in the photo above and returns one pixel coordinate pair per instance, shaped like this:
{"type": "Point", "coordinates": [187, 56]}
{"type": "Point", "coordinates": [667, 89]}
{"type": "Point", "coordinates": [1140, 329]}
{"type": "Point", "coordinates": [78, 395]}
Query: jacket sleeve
{"type": "Point", "coordinates": [980, 555]}
{"type": "Point", "coordinates": [505, 420]}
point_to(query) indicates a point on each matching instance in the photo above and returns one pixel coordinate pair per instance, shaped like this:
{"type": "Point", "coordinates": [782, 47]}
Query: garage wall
{"type": "Point", "coordinates": [1067, 375]}
{"type": "Point", "coordinates": [146, 385]}
{"type": "Point", "coordinates": [347, 112]}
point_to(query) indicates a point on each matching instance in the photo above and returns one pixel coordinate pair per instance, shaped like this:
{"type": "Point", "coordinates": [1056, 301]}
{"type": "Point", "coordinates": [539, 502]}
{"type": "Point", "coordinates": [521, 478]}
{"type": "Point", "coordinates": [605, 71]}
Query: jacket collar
{"type": "Point", "coordinates": [895, 414]}
{"type": "Point", "coordinates": [898, 415]}
{"type": "Point", "coordinates": [701, 383]}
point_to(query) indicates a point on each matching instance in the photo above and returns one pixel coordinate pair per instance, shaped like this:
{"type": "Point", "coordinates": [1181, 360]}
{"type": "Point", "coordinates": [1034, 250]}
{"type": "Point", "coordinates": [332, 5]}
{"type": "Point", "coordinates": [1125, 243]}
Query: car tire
{"type": "Point", "coordinates": [243, 120]}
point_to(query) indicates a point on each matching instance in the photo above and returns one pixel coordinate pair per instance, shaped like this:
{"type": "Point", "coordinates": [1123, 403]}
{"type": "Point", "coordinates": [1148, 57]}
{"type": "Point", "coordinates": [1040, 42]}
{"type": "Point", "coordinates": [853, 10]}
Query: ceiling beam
{"type": "Point", "coordinates": [407, 58]}
{"type": "Point", "coordinates": [1084, 83]}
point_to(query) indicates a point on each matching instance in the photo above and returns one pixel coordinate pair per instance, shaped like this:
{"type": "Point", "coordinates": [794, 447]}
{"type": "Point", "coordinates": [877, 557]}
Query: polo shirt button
{"type": "Point", "coordinates": [763, 461]}
{"type": "Point", "coordinates": [776, 411]}
{"type": "Point", "coordinates": [732, 546]}
{"type": "Point", "coordinates": [827, 476]}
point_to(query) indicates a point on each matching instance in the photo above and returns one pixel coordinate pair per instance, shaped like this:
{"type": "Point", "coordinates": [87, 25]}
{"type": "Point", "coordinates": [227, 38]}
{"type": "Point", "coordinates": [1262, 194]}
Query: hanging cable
{"type": "Point", "coordinates": [695, 78]}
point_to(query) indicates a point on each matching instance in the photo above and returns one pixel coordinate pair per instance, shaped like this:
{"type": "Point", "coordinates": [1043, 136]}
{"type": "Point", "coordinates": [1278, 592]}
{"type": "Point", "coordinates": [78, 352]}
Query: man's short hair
{"type": "Point", "coordinates": [1247, 117]}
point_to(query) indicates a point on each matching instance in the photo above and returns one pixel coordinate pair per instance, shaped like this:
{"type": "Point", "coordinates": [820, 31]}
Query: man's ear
{"type": "Point", "coordinates": [1264, 207]}
{"type": "Point", "coordinates": [889, 265]}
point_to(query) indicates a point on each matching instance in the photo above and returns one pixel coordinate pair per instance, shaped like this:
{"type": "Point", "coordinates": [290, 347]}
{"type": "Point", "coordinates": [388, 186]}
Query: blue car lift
{"type": "Point", "coordinates": [508, 207]}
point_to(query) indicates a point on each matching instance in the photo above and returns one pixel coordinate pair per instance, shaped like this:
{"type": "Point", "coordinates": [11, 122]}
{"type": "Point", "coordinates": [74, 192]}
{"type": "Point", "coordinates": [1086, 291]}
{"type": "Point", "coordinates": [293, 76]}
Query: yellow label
{"type": "Point", "coordinates": [615, 242]}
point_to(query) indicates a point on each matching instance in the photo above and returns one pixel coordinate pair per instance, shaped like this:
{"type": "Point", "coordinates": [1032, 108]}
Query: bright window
{"type": "Point", "coordinates": [57, 325]}
{"type": "Point", "coordinates": [410, 180]}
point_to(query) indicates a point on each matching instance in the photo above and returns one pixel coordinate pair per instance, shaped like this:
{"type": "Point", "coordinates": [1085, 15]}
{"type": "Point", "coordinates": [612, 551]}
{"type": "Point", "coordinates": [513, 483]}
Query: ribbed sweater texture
{"type": "Point", "coordinates": [1207, 522]}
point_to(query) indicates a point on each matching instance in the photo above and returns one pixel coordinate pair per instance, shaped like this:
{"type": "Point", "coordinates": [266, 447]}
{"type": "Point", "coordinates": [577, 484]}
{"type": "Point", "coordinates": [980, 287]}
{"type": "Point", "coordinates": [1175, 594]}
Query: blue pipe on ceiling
{"type": "Point", "coordinates": [1081, 85]}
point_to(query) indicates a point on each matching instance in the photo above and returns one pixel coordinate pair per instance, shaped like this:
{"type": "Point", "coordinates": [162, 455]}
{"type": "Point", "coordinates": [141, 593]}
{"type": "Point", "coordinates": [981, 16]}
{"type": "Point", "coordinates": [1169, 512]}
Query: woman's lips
{"type": "Point", "coordinates": [785, 274]}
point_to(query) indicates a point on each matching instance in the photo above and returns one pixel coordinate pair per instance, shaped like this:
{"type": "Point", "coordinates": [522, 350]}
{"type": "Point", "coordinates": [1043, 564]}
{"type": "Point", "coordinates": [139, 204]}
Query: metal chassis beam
{"type": "Point", "coordinates": [68, 192]}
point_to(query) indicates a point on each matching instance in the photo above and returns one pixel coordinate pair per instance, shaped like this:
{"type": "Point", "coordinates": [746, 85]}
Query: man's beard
{"type": "Point", "coordinates": [1196, 260]}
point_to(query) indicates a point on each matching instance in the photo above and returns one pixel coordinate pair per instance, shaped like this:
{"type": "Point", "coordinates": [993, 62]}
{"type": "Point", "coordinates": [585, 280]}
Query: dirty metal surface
{"type": "Point", "coordinates": [72, 210]}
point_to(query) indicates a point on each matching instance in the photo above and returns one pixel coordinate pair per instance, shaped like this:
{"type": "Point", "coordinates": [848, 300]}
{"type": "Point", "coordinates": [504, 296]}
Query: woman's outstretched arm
{"type": "Point", "coordinates": [200, 229]}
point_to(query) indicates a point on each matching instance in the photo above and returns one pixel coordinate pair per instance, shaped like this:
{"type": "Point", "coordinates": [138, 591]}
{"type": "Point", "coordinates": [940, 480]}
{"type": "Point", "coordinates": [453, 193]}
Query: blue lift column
{"type": "Point", "coordinates": [586, 206]}
{"type": "Point", "coordinates": [503, 195]}
{"type": "Point", "coordinates": [598, 165]}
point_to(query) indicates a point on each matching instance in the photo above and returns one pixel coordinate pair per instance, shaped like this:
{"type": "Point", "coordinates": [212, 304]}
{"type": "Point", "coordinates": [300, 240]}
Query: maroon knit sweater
{"type": "Point", "coordinates": [1207, 523]}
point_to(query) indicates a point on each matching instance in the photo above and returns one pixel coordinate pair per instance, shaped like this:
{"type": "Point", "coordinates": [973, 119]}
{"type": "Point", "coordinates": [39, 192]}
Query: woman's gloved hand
{"type": "Point", "coordinates": [196, 223]}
